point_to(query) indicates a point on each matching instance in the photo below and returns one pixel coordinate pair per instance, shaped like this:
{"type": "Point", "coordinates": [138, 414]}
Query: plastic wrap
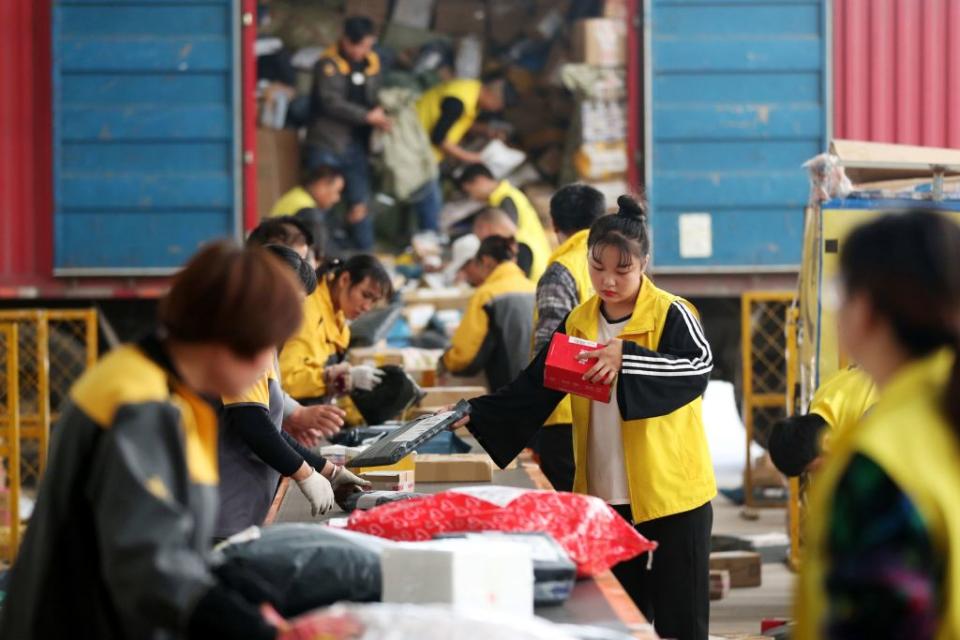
{"type": "Point", "coordinates": [418, 622]}
{"type": "Point", "coordinates": [827, 178]}
{"type": "Point", "coordinates": [588, 529]}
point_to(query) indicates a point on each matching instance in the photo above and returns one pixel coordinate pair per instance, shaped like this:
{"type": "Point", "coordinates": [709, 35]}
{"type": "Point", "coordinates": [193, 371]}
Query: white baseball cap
{"type": "Point", "coordinates": [462, 251]}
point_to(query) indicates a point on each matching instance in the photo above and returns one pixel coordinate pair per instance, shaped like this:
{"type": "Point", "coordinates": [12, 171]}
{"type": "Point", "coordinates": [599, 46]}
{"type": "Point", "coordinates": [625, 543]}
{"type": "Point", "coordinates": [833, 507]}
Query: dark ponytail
{"type": "Point", "coordinates": [498, 248]}
{"type": "Point", "coordinates": [626, 230]}
{"type": "Point", "coordinates": [359, 268]}
{"type": "Point", "coordinates": [908, 266]}
{"type": "Point", "coordinates": [299, 266]}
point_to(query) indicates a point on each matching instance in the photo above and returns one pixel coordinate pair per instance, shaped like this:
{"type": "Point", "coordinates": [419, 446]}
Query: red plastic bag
{"type": "Point", "coordinates": [592, 533]}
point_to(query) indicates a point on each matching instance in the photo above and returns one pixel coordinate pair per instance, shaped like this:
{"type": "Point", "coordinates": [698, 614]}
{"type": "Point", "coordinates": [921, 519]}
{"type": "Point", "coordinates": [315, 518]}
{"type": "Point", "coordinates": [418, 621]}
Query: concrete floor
{"type": "Point", "coordinates": [740, 613]}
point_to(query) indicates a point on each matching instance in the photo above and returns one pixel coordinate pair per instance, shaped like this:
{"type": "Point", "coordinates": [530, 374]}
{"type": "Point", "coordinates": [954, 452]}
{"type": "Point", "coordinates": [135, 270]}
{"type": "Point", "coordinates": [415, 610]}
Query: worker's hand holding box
{"type": "Point", "coordinates": [564, 372]}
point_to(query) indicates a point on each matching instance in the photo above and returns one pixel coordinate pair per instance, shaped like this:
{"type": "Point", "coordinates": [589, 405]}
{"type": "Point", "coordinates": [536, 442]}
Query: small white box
{"type": "Point", "coordinates": [466, 574]}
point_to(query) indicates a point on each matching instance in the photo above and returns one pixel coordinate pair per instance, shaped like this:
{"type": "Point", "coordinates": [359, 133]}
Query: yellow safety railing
{"type": "Point", "coordinates": [10, 442]}
{"type": "Point", "coordinates": [797, 487]}
{"type": "Point", "coordinates": [54, 346]}
{"type": "Point", "coordinates": [766, 381]}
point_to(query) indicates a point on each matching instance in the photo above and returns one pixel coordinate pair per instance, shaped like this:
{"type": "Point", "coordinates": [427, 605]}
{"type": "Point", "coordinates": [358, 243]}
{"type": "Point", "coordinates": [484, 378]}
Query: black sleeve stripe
{"type": "Point", "coordinates": [675, 367]}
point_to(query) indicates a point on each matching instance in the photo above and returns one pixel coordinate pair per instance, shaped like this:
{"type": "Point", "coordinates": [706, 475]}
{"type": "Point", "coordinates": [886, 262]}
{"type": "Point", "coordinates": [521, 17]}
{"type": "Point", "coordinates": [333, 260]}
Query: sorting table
{"type": "Point", "coordinates": [599, 602]}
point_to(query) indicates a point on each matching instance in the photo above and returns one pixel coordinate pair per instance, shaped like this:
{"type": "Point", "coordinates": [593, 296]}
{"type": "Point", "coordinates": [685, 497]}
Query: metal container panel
{"type": "Point", "coordinates": [737, 101]}
{"type": "Point", "coordinates": [146, 165]}
{"type": "Point", "coordinates": [25, 193]}
{"type": "Point", "coordinates": [897, 71]}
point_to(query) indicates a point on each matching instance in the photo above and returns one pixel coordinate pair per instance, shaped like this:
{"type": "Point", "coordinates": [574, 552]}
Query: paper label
{"type": "Point", "coordinates": [696, 235]}
{"type": "Point", "coordinates": [582, 342]}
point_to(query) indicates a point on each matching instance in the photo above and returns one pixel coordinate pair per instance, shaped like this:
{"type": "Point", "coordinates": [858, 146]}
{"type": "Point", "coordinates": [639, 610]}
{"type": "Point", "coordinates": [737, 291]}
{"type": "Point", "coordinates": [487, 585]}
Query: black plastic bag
{"type": "Point", "coordinates": [308, 566]}
{"type": "Point", "coordinates": [396, 392]}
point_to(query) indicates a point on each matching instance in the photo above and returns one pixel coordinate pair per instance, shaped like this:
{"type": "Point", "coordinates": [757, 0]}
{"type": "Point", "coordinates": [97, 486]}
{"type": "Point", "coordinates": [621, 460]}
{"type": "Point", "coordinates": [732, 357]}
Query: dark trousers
{"type": "Point", "coordinates": [555, 448]}
{"type": "Point", "coordinates": [354, 163]}
{"type": "Point", "coordinates": [674, 594]}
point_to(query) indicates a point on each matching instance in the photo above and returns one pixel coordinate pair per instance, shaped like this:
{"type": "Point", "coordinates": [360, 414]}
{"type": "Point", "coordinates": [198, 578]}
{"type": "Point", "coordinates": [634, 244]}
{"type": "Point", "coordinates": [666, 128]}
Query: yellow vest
{"type": "Point", "coordinates": [428, 109]}
{"type": "Point", "coordinates": [572, 254]}
{"type": "Point", "coordinates": [843, 400]}
{"type": "Point", "coordinates": [127, 378]}
{"type": "Point", "coordinates": [470, 334]}
{"type": "Point", "coordinates": [529, 229]}
{"type": "Point", "coordinates": [667, 459]}
{"type": "Point", "coordinates": [909, 437]}
{"type": "Point", "coordinates": [292, 201]}
{"type": "Point", "coordinates": [323, 334]}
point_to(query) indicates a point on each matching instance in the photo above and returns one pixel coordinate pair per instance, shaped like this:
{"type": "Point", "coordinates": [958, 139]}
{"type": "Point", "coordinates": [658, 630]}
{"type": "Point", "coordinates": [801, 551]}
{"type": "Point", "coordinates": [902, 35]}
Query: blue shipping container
{"type": "Point", "coordinates": [737, 94]}
{"type": "Point", "coordinates": [146, 117]}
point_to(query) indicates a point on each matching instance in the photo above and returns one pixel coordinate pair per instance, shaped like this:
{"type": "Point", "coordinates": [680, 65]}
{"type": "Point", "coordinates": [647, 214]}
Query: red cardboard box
{"type": "Point", "coordinates": [563, 372]}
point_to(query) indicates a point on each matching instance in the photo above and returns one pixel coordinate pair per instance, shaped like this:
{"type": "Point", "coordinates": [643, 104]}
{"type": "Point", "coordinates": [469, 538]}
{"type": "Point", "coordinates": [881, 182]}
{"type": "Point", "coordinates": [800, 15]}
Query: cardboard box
{"type": "Point", "coordinates": [600, 42]}
{"type": "Point", "coordinates": [550, 162]}
{"type": "Point", "coordinates": [601, 160]}
{"type": "Point", "coordinates": [278, 166]}
{"type": "Point", "coordinates": [303, 24]}
{"type": "Point", "coordinates": [611, 190]}
{"type": "Point", "coordinates": [866, 162]}
{"type": "Point", "coordinates": [464, 467]}
{"type": "Point", "coordinates": [616, 9]}
{"type": "Point", "coordinates": [443, 299]}
{"type": "Point", "coordinates": [469, 59]}
{"type": "Point", "coordinates": [719, 584]}
{"type": "Point", "coordinates": [508, 19]}
{"type": "Point", "coordinates": [391, 480]}
{"type": "Point", "coordinates": [409, 463]}
{"type": "Point", "coordinates": [443, 396]}
{"type": "Point", "coordinates": [603, 121]}
{"type": "Point", "coordinates": [565, 373]}
{"type": "Point", "coordinates": [745, 567]}
{"type": "Point", "coordinates": [376, 10]}
{"type": "Point", "coordinates": [461, 18]}
{"type": "Point", "coordinates": [413, 13]}
{"type": "Point", "coordinates": [548, 20]}
{"type": "Point", "coordinates": [463, 574]}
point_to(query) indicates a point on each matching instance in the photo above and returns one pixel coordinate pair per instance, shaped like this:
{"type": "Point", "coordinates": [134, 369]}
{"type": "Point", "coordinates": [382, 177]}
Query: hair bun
{"type": "Point", "coordinates": [630, 207]}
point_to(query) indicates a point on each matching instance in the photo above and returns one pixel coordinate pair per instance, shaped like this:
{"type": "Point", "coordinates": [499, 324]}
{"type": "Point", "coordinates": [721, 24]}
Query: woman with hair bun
{"type": "Point", "coordinates": [645, 451]}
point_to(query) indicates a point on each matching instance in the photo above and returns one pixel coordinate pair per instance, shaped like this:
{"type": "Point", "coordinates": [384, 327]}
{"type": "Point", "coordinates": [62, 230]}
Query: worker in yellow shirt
{"type": "Point", "coordinates": [310, 201]}
{"type": "Point", "coordinates": [119, 541]}
{"type": "Point", "coordinates": [311, 363]}
{"type": "Point", "coordinates": [478, 182]}
{"type": "Point", "coordinates": [447, 112]}
{"type": "Point", "coordinates": [494, 335]}
{"type": "Point", "coordinates": [882, 535]}
{"type": "Point", "coordinates": [797, 443]}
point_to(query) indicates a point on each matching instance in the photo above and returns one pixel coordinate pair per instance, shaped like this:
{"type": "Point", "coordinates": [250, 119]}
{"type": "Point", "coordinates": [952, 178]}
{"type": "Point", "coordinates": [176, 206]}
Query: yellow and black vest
{"type": "Point", "coordinates": [529, 228]}
{"type": "Point", "coordinates": [428, 109]}
{"type": "Point", "coordinates": [667, 460]}
{"type": "Point", "coordinates": [323, 338]}
{"type": "Point", "coordinates": [908, 436]}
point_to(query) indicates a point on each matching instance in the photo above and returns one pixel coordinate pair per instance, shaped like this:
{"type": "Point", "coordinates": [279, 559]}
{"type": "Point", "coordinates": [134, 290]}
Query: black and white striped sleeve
{"type": "Point", "coordinates": [657, 383]}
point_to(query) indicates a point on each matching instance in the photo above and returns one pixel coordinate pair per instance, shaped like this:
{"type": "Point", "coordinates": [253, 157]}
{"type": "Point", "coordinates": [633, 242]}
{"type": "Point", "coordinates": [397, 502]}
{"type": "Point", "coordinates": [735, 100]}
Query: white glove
{"type": "Point", "coordinates": [318, 491]}
{"type": "Point", "coordinates": [365, 378]}
{"type": "Point", "coordinates": [344, 478]}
